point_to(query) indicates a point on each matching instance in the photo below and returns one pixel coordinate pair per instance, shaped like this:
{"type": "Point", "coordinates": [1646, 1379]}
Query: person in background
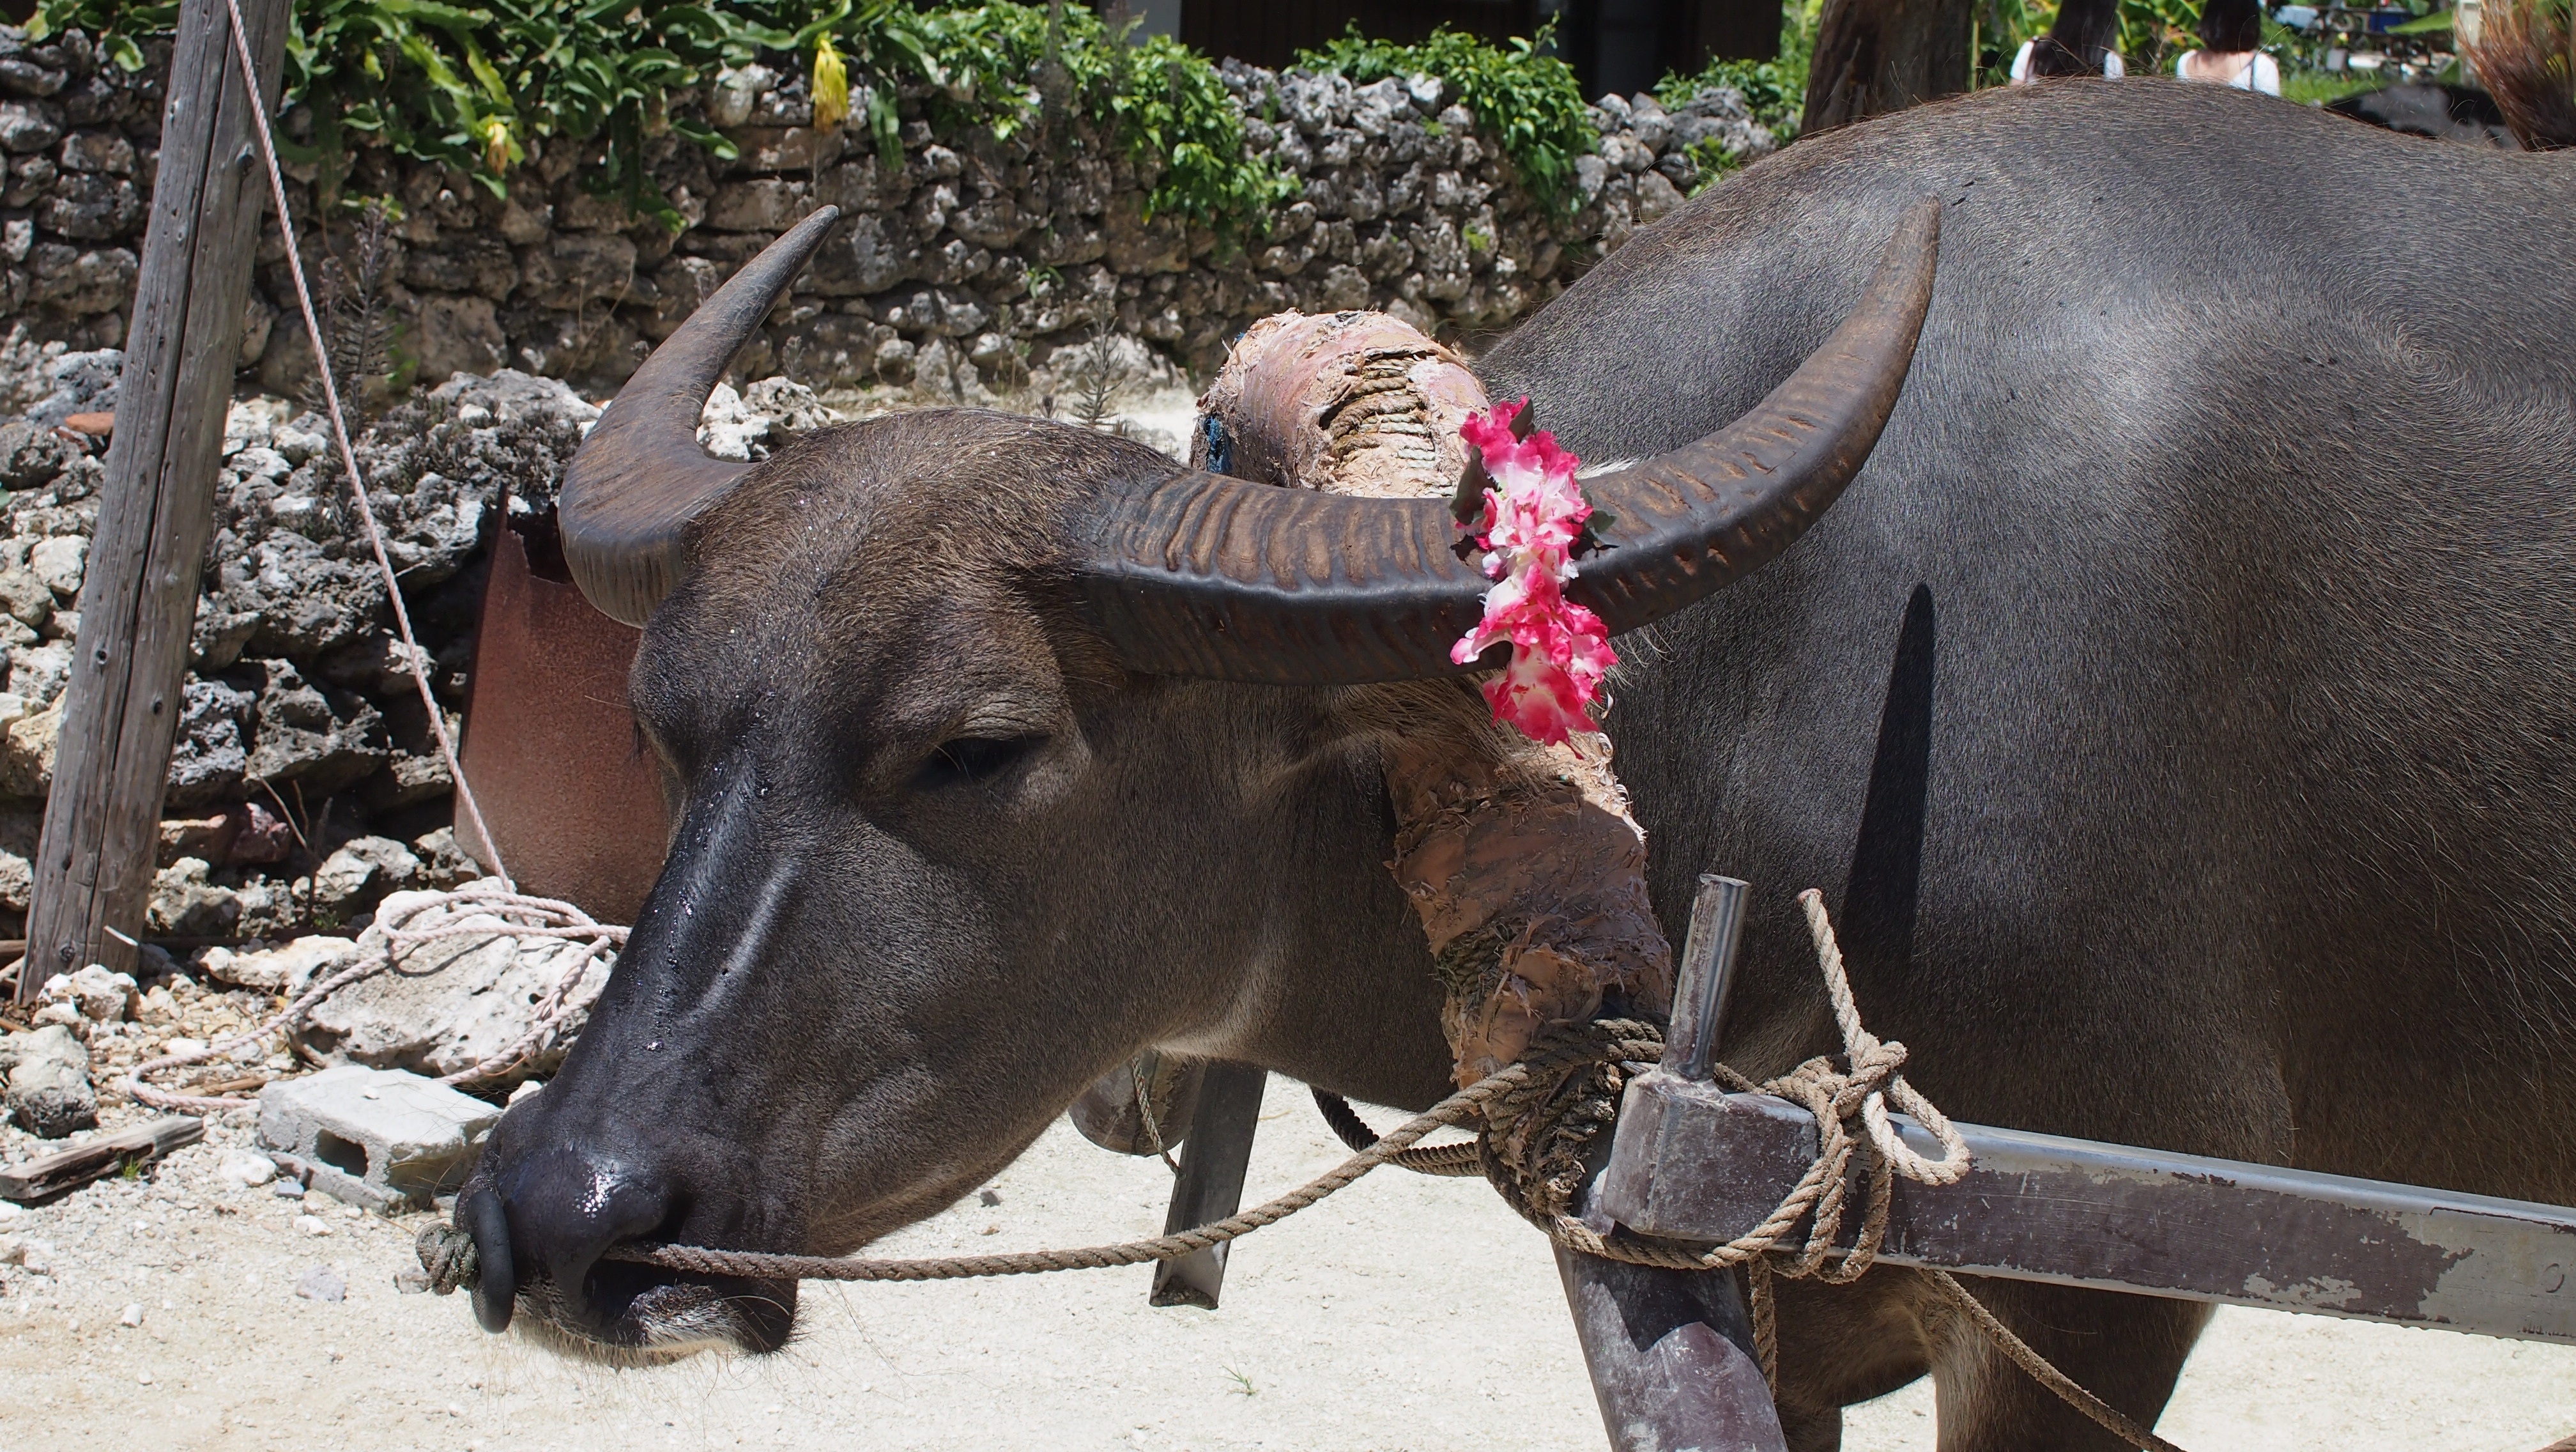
{"type": "Point", "coordinates": [2231, 53]}
{"type": "Point", "coordinates": [2077, 44]}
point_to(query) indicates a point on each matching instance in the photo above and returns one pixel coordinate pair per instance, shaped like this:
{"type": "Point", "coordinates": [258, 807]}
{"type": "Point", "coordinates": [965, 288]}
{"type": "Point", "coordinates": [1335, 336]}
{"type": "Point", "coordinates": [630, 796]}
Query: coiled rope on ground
{"type": "Point", "coordinates": [479, 910]}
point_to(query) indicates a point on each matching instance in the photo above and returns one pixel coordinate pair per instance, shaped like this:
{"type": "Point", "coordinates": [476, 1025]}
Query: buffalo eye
{"type": "Point", "coordinates": [975, 759]}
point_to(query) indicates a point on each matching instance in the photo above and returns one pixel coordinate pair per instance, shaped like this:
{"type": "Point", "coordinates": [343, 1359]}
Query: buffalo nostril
{"type": "Point", "coordinates": [496, 1285]}
{"type": "Point", "coordinates": [567, 1206]}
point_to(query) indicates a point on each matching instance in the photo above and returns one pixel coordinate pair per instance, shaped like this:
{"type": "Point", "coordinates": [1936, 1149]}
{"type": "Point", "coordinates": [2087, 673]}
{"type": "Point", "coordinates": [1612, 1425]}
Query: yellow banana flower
{"type": "Point", "coordinates": [499, 147]}
{"type": "Point", "coordinates": [831, 85]}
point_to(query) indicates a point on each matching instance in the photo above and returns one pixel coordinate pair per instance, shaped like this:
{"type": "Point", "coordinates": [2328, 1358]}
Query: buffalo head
{"type": "Point", "coordinates": [1005, 750]}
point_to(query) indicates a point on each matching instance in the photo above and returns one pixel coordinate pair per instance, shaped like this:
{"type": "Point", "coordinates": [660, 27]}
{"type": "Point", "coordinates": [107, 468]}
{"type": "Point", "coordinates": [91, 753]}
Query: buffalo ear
{"type": "Point", "coordinates": [1114, 1111]}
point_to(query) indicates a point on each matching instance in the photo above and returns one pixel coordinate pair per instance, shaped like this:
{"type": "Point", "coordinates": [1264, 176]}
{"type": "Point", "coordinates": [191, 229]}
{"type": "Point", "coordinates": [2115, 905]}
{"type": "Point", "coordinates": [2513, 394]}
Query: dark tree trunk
{"type": "Point", "coordinates": [1885, 55]}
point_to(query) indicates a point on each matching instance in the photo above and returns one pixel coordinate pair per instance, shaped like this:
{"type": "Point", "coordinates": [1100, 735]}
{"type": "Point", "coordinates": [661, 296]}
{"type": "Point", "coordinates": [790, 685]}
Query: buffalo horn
{"type": "Point", "coordinates": [1201, 575]}
{"type": "Point", "coordinates": [640, 477]}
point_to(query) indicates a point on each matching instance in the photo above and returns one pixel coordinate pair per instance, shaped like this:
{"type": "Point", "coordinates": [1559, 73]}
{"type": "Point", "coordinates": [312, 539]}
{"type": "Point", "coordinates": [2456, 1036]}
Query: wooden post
{"type": "Point", "coordinates": [139, 601]}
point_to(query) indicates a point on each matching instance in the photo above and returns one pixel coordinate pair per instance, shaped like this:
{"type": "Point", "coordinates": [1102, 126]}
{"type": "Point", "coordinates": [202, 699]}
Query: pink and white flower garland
{"type": "Point", "coordinates": [1534, 513]}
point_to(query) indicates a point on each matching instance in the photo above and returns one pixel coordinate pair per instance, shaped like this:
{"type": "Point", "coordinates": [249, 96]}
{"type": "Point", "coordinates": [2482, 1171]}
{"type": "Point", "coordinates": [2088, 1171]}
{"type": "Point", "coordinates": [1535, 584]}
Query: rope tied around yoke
{"type": "Point", "coordinates": [1542, 1180]}
{"type": "Point", "coordinates": [1541, 1177]}
{"type": "Point", "coordinates": [1583, 1102]}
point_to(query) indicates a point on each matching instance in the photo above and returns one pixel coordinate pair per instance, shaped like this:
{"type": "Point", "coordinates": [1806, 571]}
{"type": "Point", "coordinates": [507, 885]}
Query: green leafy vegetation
{"type": "Point", "coordinates": [2152, 33]}
{"type": "Point", "coordinates": [1519, 93]}
{"type": "Point", "coordinates": [471, 84]}
{"type": "Point", "coordinates": [1774, 90]}
{"type": "Point", "coordinates": [113, 22]}
{"type": "Point", "coordinates": [1008, 67]}
{"type": "Point", "coordinates": [2000, 28]}
{"type": "Point", "coordinates": [2316, 88]}
{"type": "Point", "coordinates": [2155, 33]}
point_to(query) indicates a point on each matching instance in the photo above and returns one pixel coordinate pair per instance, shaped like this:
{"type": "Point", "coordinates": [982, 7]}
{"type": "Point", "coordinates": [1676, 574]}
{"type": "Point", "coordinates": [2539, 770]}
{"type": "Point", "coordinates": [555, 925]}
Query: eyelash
{"type": "Point", "coordinates": [976, 758]}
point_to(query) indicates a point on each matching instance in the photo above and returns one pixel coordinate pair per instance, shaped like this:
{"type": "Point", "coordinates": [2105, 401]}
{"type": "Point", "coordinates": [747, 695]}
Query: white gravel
{"type": "Point", "coordinates": [1406, 1313]}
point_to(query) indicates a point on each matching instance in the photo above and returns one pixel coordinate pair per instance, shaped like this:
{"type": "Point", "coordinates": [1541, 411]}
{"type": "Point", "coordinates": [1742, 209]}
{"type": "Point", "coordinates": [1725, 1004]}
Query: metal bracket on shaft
{"type": "Point", "coordinates": [1707, 973]}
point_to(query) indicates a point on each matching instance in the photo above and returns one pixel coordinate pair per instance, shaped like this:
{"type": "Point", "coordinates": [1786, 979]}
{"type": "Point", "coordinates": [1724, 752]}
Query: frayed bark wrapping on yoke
{"type": "Point", "coordinates": [1523, 861]}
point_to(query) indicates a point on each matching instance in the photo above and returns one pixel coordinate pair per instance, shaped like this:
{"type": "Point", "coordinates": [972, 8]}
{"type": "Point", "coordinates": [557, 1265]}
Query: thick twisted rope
{"type": "Point", "coordinates": [481, 910]}
{"type": "Point", "coordinates": [447, 1253]}
{"type": "Point", "coordinates": [1448, 1160]}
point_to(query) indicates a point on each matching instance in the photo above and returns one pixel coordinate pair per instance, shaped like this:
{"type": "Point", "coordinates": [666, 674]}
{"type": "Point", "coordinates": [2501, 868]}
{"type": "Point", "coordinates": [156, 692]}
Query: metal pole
{"type": "Point", "coordinates": [1671, 1356]}
{"type": "Point", "coordinates": [1707, 974]}
{"type": "Point", "coordinates": [1210, 1186]}
{"type": "Point", "coordinates": [138, 604]}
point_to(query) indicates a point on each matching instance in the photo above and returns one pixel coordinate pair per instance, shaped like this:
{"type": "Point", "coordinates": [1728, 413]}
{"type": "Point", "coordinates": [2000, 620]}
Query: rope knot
{"type": "Point", "coordinates": [1536, 1136]}
{"type": "Point", "coordinates": [447, 1254]}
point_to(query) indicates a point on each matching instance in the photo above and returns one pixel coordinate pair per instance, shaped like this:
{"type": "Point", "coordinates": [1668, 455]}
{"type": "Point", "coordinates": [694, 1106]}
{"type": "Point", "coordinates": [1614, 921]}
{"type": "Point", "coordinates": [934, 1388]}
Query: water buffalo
{"type": "Point", "coordinates": [2179, 711]}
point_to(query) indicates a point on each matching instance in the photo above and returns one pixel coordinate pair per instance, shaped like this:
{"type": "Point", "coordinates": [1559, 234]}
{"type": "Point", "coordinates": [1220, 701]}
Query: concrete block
{"type": "Point", "coordinates": [380, 1138]}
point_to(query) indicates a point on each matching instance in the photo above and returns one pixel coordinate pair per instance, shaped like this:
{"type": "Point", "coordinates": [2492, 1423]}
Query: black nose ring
{"type": "Point", "coordinates": [496, 1289]}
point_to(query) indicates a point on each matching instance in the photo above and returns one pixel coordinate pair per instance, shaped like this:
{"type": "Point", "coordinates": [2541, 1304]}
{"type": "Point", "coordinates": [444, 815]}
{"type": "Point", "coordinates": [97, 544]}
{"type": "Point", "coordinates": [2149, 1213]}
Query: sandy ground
{"type": "Point", "coordinates": [1406, 1314]}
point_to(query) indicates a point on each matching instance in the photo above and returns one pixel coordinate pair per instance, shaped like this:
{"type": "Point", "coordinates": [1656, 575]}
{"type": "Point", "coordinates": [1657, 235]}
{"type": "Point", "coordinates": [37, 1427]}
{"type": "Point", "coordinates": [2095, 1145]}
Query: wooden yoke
{"type": "Point", "coordinates": [120, 712]}
{"type": "Point", "coordinates": [1522, 861]}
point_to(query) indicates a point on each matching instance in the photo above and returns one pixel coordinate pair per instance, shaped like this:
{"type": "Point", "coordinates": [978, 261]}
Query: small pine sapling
{"type": "Point", "coordinates": [357, 328]}
{"type": "Point", "coordinates": [1097, 380]}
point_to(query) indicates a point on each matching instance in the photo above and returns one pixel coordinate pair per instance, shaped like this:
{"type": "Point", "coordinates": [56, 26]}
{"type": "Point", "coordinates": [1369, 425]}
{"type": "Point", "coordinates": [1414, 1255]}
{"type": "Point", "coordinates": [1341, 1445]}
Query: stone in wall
{"type": "Point", "coordinates": [79, 139]}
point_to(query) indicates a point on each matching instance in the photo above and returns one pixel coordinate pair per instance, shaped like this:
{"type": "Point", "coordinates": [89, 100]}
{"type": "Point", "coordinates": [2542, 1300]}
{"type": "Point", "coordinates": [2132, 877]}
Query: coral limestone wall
{"type": "Point", "coordinates": [962, 269]}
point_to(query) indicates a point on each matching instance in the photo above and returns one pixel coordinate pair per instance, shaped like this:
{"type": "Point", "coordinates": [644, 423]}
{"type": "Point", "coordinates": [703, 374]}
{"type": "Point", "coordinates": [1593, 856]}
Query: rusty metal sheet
{"type": "Point", "coordinates": [572, 798]}
{"type": "Point", "coordinates": [1695, 1163]}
